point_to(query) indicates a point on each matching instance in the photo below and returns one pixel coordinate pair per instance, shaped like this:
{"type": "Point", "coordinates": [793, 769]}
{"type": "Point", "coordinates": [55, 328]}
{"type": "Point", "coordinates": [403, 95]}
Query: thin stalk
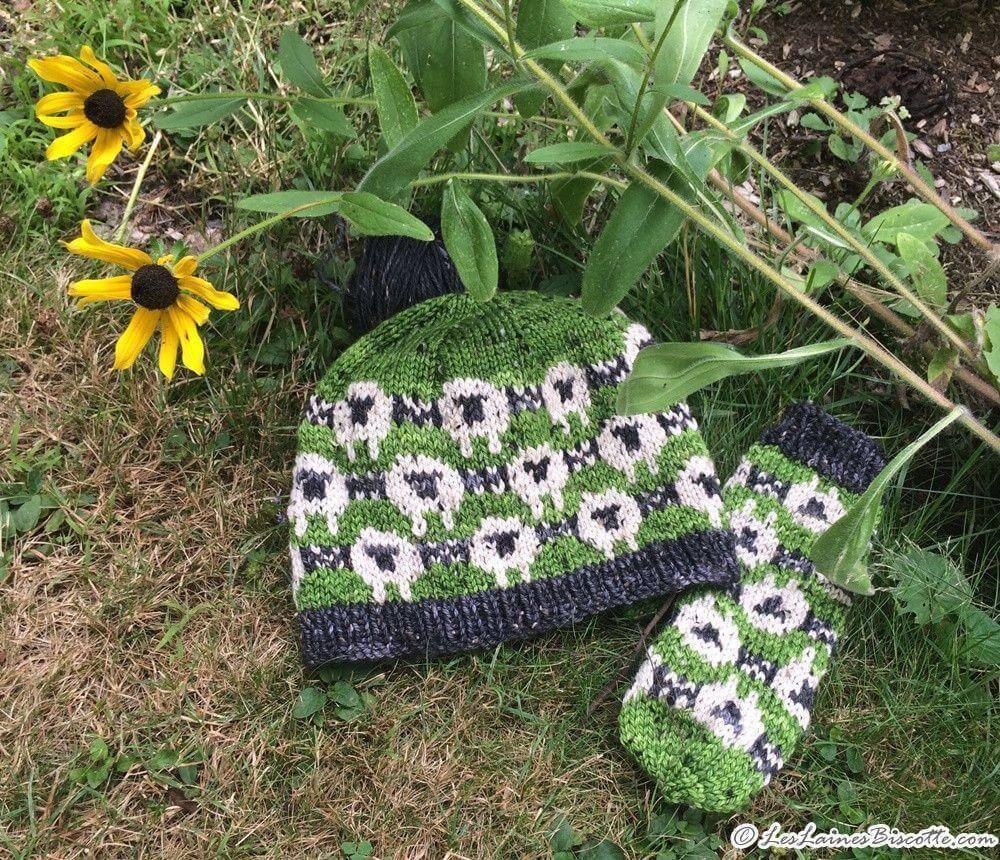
{"type": "Point", "coordinates": [842, 232]}
{"type": "Point", "coordinates": [136, 185]}
{"type": "Point", "coordinates": [650, 67]}
{"type": "Point", "coordinates": [639, 174]}
{"type": "Point", "coordinates": [515, 178]}
{"type": "Point", "coordinates": [834, 115]}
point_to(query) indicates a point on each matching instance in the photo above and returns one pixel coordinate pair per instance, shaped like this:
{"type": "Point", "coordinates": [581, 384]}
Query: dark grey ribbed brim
{"type": "Point", "coordinates": [444, 626]}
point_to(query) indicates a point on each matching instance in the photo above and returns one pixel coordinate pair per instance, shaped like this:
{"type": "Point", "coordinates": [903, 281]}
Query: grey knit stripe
{"type": "Point", "coordinates": [457, 550]}
{"type": "Point", "coordinates": [520, 398]}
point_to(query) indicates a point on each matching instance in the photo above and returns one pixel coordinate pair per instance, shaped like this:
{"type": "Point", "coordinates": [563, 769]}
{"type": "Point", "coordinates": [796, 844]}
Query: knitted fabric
{"type": "Point", "coordinates": [463, 479]}
{"type": "Point", "coordinates": [727, 687]}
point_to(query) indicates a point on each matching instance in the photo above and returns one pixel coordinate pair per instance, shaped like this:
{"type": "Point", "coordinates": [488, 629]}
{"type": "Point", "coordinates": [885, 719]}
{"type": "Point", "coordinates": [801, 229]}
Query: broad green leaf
{"type": "Point", "coordinates": [472, 25]}
{"type": "Point", "coordinates": [372, 216]}
{"type": "Point", "coordinates": [397, 111]}
{"type": "Point", "coordinates": [201, 111]}
{"type": "Point", "coordinates": [926, 272]}
{"type": "Point", "coordinates": [981, 643]}
{"type": "Point", "coordinates": [687, 40]}
{"type": "Point", "coordinates": [299, 65]}
{"type": "Point", "coordinates": [313, 203]}
{"type": "Point", "coordinates": [798, 211]}
{"type": "Point", "coordinates": [569, 196]}
{"type": "Point", "coordinates": [584, 49]}
{"type": "Point", "coordinates": [566, 153]}
{"type": "Point", "coordinates": [25, 518]}
{"type": "Point", "coordinates": [541, 22]}
{"type": "Point", "coordinates": [398, 167]}
{"type": "Point", "coordinates": [469, 240]}
{"type": "Point", "coordinates": [324, 116]}
{"type": "Point", "coordinates": [839, 552]}
{"type": "Point", "coordinates": [683, 93]}
{"type": "Point", "coordinates": [928, 585]}
{"type": "Point", "coordinates": [641, 225]}
{"type": "Point", "coordinates": [667, 373]}
{"type": "Point", "coordinates": [747, 123]}
{"type": "Point", "coordinates": [611, 13]}
{"type": "Point", "coordinates": [653, 129]}
{"type": "Point", "coordinates": [920, 220]}
{"type": "Point", "coordinates": [310, 701]}
{"type": "Point", "coordinates": [991, 326]}
{"type": "Point", "coordinates": [345, 695]}
{"type": "Point", "coordinates": [447, 62]}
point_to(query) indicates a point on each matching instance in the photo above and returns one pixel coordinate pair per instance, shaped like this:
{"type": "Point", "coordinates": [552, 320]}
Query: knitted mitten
{"type": "Point", "coordinates": [726, 689]}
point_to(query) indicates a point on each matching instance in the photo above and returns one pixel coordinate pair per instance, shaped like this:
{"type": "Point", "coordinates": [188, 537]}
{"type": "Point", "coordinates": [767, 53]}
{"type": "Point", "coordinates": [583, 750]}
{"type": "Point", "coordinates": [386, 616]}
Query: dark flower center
{"type": "Point", "coordinates": [105, 108]}
{"type": "Point", "coordinates": [154, 287]}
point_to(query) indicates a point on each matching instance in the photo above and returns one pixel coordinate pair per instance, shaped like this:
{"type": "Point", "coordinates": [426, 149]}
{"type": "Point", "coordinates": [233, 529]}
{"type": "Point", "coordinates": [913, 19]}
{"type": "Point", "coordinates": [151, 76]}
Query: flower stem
{"type": "Point", "coordinates": [845, 123]}
{"type": "Point", "coordinates": [136, 184]}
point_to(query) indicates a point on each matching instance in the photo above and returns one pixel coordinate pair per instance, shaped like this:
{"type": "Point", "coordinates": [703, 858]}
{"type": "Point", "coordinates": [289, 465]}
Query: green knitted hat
{"type": "Point", "coordinates": [463, 479]}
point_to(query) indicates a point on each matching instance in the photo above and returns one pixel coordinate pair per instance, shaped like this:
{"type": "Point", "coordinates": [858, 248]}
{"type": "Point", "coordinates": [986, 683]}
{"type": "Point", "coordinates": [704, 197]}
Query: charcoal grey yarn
{"type": "Point", "coordinates": [395, 272]}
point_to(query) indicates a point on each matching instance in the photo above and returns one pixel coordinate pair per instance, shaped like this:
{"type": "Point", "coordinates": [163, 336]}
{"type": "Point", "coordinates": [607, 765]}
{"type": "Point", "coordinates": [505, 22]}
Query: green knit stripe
{"type": "Point", "coordinates": [451, 337]}
{"type": "Point", "coordinates": [689, 763]}
{"type": "Point", "coordinates": [565, 554]}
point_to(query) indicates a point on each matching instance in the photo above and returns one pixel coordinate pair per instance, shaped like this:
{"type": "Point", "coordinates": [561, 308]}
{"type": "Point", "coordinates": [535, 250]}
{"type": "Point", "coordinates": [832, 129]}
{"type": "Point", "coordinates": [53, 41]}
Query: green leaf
{"type": "Point", "coordinates": [683, 93]}
{"type": "Point", "coordinates": [839, 552]}
{"type": "Point", "coordinates": [993, 152]}
{"type": "Point", "coordinates": [310, 701]}
{"type": "Point", "coordinates": [372, 216]}
{"type": "Point", "coordinates": [299, 65]}
{"type": "Point", "coordinates": [164, 759]}
{"type": "Point", "coordinates": [25, 518]}
{"type": "Point", "coordinates": [928, 586]}
{"type": "Point", "coordinates": [838, 146]}
{"type": "Point", "coordinates": [603, 850]}
{"type": "Point", "coordinates": [563, 837]}
{"type": "Point", "coordinates": [920, 220]}
{"type": "Point", "coordinates": [469, 240]}
{"type": "Point", "coordinates": [584, 49]}
{"type": "Point", "coordinates": [814, 122]}
{"type": "Point", "coordinates": [569, 196]}
{"type": "Point", "coordinates": [981, 643]}
{"type": "Point", "coordinates": [611, 13]}
{"type": "Point", "coordinates": [641, 226]}
{"type": "Point", "coordinates": [991, 326]}
{"type": "Point", "coordinates": [926, 272]}
{"type": "Point", "coordinates": [541, 22]}
{"type": "Point", "coordinates": [397, 111]}
{"type": "Point", "coordinates": [313, 203]}
{"type": "Point", "coordinates": [199, 112]}
{"type": "Point", "coordinates": [447, 62]}
{"type": "Point", "coordinates": [667, 373]}
{"type": "Point", "coordinates": [324, 116]}
{"type": "Point", "coordinates": [566, 153]}
{"type": "Point", "coordinates": [398, 167]}
{"type": "Point", "coordinates": [761, 79]}
{"type": "Point", "coordinates": [688, 39]}
{"type": "Point", "coordinates": [345, 695]}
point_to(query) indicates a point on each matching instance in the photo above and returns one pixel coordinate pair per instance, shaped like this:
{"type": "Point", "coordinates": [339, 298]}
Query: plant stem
{"type": "Point", "coordinates": [912, 177]}
{"type": "Point", "coordinates": [639, 174]}
{"type": "Point", "coordinates": [256, 228]}
{"type": "Point", "coordinates": [839, 229]}
{"type": "Point", "coordinates": [136, 185]}
{"type": "Point", "coordinates": [649, 71]}
{"type": "Point", "coordinates": [514, 178]}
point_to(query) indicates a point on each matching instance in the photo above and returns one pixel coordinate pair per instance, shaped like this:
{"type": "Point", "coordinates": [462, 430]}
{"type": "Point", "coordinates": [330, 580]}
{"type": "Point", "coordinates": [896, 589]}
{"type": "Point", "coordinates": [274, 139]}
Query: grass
{"type": "Point", "coordinates": [148, 607]}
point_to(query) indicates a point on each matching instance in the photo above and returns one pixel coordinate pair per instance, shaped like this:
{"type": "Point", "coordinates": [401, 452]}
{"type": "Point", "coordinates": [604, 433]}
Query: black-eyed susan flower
{"type": "Point", "coordinates": [98, 107]}
{"type": "Point", "coordinates": [166, 295]}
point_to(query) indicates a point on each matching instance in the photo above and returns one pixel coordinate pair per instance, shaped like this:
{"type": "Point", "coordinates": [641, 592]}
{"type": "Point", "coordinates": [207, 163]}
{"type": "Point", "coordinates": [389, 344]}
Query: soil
{"type": "Point", "coordinates": [942, 57]}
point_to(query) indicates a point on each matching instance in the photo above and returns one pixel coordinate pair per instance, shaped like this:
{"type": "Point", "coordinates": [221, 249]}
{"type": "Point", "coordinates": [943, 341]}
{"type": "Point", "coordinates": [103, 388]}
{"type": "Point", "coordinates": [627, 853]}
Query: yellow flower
{"type": "Point", "coordinates": [164, 294]}
{"type": "Point", "coordinates": [98, 107]}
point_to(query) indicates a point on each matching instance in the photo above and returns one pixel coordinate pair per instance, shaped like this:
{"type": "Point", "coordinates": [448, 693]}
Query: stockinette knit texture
{"type": "Point", "coordinates": [727, 687]}
{"type": "Point", "coordinates": [463, 479]}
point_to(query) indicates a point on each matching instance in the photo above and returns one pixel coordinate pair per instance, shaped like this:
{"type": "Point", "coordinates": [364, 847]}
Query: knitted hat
{"type": "Point", "coordinates": [463, 479]}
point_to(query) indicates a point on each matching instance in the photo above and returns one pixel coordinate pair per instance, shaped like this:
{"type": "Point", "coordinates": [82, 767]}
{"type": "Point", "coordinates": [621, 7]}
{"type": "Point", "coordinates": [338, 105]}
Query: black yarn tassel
{"type": "Point", "coordinates": [394, 273]}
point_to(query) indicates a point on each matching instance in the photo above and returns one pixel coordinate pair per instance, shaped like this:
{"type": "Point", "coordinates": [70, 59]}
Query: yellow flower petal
{"type": "Point", "coordinates": [137, 96]}
{"type": "Point", "coordinates": [186, 266]}
{"type": "Point", "coordinates": [168, 347]}
{"type": "Point", "coordinates": [104, 151]}
{"type": "Point", "coordinates": [102, 69]}
{"type": "Point", "coordinates": [71, 120]}
{"type": "Point", "coordinates": [68, 71]}
{"type": "Point", "coordinates": [193, 308]}
{"type": "Point", "coordinates": [204, 290]}
{"type": "Point", "coordinates": [135, 337]}
{"type": "Point", "coordinates": [192, 348]}
{"type": "Point", "coordinates": [57, 103]}
{"type": "Point", "coordinates": [101, 289]}
{"type": "Point", "coordinates": [63, 147]}
{"type": "Point", "coordinates": [89, 244]}
{"type": "Point", "coordinates": [134, 134]}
